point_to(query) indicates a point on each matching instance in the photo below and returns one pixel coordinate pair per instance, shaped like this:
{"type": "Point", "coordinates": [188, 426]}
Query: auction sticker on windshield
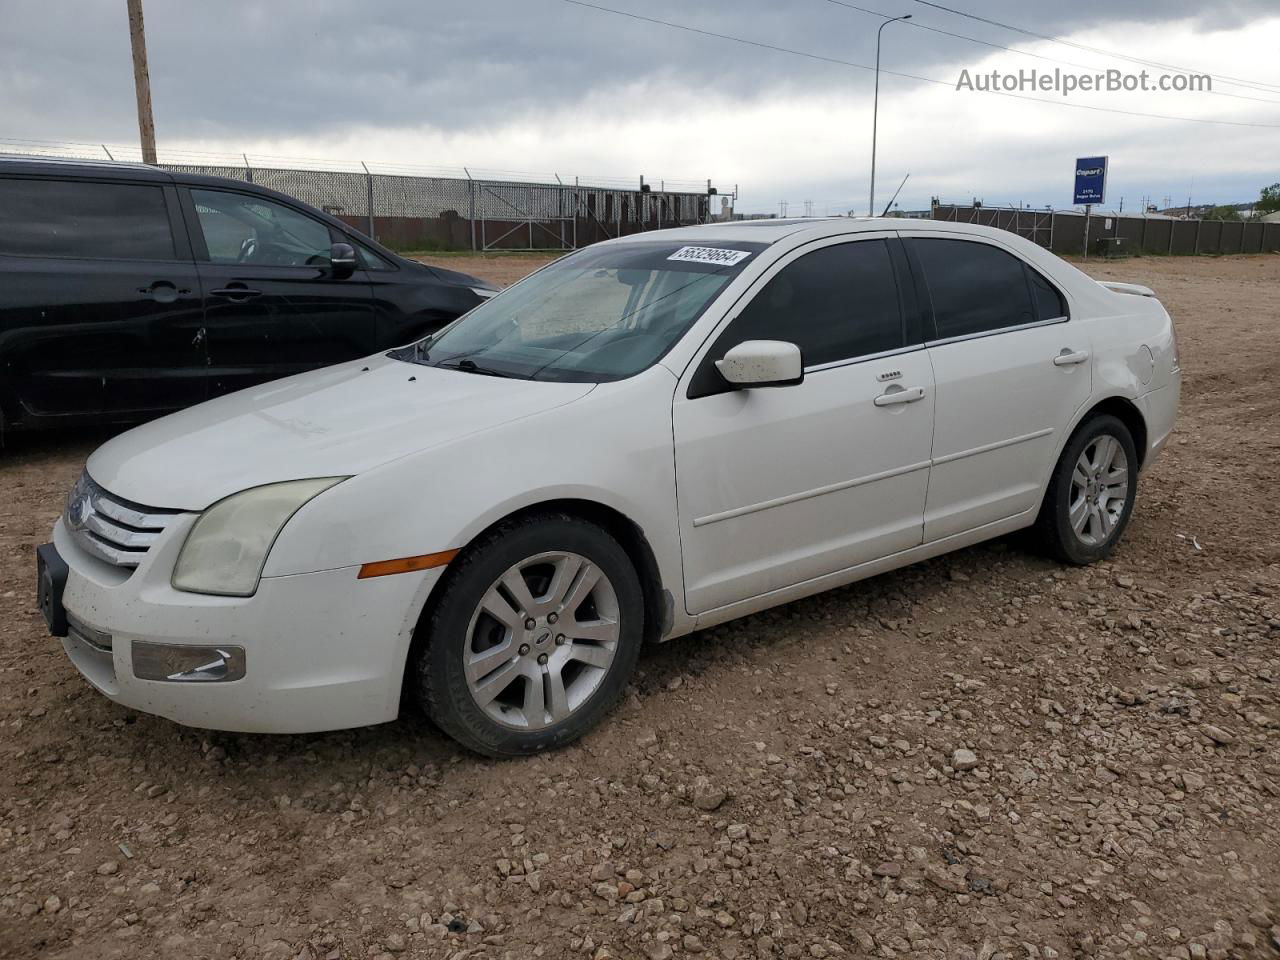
{"type": "Point", "coordinates": [714, 255]}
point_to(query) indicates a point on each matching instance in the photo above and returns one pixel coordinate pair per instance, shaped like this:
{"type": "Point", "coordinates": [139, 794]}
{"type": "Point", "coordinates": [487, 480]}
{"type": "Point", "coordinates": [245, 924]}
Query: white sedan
{"type": "Point", "coordinates": [645, 438]}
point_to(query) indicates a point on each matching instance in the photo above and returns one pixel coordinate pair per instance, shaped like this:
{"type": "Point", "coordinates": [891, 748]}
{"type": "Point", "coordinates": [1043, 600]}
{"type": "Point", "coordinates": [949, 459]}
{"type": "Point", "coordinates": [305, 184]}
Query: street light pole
{"type": "Point", "coordinates": [875, 109]}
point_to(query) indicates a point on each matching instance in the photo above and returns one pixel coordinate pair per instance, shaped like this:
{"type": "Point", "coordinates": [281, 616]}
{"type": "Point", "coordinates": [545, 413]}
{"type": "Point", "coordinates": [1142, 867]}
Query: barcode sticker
{"type": "Point", "coordinates": [716, 255]}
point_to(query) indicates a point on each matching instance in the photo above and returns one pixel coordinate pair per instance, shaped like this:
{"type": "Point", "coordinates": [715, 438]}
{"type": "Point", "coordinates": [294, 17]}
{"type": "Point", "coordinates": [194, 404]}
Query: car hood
{"type": "Point", "coordinates": [339, 421]}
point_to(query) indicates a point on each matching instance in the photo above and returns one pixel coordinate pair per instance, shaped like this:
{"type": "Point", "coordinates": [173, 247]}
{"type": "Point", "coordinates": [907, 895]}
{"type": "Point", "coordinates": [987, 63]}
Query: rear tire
{"type": "Point", "coordinates": [1091, 493]}
{"type": "Point", "coordinates": [533, 638]}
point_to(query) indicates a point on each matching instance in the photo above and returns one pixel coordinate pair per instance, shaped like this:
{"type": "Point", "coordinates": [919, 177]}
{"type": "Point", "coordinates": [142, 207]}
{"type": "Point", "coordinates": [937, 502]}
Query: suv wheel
{"type": "Point", "coordinates": [534, 636]}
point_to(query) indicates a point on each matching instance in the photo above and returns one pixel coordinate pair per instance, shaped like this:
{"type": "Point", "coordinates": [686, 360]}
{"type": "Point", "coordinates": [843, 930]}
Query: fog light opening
{"type": "Point", "coordinates": [184, 663]}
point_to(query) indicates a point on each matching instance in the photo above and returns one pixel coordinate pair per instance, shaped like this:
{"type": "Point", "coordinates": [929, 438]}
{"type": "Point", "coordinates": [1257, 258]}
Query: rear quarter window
{"type": "Point", "coordinates": [1050, 304]}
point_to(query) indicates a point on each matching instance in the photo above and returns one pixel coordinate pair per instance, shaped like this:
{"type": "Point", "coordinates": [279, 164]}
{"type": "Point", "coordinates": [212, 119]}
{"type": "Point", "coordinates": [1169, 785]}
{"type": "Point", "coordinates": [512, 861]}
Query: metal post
{"type": "Point", "coordinates": [1053, 219]}
{"type": "Point", "coordinates": [1199, 224]}
{"type": "Point", "coordinates": [369, 183]}
{"type": "Point", "coordinates": [248, 171]}
{"type": "Point", "coordinates": [560, 208]}
{"type": "Point", "coordinates": [1088, 209]}
{"type": "Point", "coordinates": [875, 111]}
{"type": "Point", "coordinates": [471, 206]}
{"type": "Point", "coordinates": [577, 200]}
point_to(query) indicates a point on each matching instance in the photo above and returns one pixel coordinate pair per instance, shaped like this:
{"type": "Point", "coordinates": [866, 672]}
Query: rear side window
{"type": "Point", "coordinates": [83, 219]}
{"type": "Point", "coordinates": [836, 303]}
{"type": "Point", "coordinates": [975, 288]}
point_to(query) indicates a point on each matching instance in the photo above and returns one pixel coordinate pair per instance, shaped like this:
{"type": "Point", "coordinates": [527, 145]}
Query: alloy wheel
{"type": "Point", "coordinates": [1099, 490]}
{"type": "Point", "coordinates": [542, 640]}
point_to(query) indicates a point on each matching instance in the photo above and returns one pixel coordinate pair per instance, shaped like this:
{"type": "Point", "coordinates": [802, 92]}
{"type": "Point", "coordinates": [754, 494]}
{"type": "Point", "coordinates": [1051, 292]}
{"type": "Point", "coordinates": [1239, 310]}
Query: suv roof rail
{"type": "Point", "coordinates": [76, 161]}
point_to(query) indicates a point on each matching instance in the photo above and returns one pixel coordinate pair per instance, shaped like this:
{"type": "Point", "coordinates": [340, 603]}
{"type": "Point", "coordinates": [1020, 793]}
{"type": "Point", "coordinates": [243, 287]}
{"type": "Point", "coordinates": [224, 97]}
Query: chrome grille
{"type": "Point", "coordinates": [111, 528]}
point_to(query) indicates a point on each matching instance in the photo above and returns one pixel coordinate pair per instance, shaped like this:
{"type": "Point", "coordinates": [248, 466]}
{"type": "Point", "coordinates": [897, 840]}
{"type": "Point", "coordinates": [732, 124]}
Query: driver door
{"type": "Point", "coordinates": [777, 486]}
{"type": "Point", "coordinates": [272, 306]}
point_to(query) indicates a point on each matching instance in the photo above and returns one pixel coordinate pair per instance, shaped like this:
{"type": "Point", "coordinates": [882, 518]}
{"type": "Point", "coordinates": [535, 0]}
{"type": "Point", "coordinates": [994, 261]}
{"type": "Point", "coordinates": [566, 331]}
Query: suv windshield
{"type": "Point", "coordinates": [603, 313]}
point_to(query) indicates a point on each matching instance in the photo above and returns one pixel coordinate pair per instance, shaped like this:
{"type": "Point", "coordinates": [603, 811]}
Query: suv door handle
{"type": "Point", "coordinates": [236, 293]}
{"type": "Point", "coordinates": [162, 291]}
{"type": "Point", "coordinates": [1066, 358]}
{"type": "Point", "coordinates": [891, 397]}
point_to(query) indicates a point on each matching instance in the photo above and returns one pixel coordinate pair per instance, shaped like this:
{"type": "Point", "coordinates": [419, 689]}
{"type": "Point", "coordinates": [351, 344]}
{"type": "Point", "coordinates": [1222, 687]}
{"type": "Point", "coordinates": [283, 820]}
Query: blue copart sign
{"type": "Point", "coordinates": [1091, 180]}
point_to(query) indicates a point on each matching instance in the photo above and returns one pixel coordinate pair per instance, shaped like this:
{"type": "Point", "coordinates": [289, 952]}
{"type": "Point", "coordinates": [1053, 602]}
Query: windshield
{"type": "Point", "coordinates": [603, 313]}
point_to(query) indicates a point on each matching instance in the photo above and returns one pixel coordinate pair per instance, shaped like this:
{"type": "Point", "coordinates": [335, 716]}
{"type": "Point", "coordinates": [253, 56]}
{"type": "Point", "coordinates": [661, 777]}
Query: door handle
{"type": "Point", "coordinates": [1067, 358]}
{"type": "Point", "coordinates": [162, 291]}
{"type": "Point", "coordinates": [892, 397]}
{"type": "Point", "coordinates": [236, 293]}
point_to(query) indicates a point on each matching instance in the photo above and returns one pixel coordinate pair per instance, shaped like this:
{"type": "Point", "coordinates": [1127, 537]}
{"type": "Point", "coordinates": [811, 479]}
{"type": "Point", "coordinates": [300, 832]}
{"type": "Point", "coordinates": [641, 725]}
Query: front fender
{"type": "Point", "coordinates": [613, 447]}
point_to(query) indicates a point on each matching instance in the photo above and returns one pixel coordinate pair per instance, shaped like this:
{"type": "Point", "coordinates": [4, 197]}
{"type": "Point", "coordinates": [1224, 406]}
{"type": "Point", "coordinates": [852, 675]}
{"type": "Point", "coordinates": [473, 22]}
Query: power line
{"type": "Point", "coordinates": [908, 76]}
{"type": "Point", "coordinates": [1235, 81]}
{"type": "Point", "coordinates": [1026, 53]}
{"type": "Point", "coordinates": [750, 43]}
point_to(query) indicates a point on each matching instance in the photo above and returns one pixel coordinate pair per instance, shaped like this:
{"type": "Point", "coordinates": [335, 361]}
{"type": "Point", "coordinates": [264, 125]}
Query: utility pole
{"type": "Point", "coordinates": [142, 81]}
{"type": "Point", "coordinates": [875, 110]}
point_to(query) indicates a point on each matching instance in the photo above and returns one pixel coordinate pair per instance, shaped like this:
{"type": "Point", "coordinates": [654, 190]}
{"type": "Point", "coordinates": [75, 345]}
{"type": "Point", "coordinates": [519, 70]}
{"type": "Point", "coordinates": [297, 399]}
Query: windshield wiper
{"type": "Point", "coordinates": [470, 366]}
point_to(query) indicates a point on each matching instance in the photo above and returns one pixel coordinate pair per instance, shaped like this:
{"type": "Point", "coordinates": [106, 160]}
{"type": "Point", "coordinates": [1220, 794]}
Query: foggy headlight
{"type": "Point", "coordinates": [228, 546]}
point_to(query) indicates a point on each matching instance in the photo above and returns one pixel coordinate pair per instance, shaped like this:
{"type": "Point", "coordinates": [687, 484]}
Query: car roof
{"type": "Point", "coordinates": [804, 228]}
{"type": "Point", "coordinates": [122, 170]}
{"type": "Point", "coordinates": [63, 166]}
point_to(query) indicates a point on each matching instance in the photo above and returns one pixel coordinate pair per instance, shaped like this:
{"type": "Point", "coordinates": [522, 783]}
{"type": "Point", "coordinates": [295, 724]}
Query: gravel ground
{"type": "Point", "coordinates": [982, 756]}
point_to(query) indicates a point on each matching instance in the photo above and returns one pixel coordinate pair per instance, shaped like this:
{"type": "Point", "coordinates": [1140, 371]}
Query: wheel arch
{"type": "Point", "coordinates": [1128, 413]}
{"type": "Point", "coordinates": [1120, 407]}
{"type": "Point", "coordinates": [659, 604]}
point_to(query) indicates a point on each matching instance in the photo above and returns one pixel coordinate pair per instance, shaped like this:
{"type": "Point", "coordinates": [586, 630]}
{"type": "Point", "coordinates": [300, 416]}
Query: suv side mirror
{"type": "Point", "coordinates": [762, 363]}
{"type": "Point", "coordinates": [342, 260]}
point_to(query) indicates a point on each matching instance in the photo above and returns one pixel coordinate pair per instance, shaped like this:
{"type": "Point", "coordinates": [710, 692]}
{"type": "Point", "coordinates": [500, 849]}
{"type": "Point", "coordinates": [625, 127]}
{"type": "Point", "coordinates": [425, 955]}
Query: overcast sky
{"type": "Point", "coordinates": [544, 86]}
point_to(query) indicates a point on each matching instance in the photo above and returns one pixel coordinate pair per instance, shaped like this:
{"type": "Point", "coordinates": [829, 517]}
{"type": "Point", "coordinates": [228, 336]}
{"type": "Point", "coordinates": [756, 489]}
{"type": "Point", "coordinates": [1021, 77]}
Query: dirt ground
{"type": "Point", "coordinates": [789, 785]}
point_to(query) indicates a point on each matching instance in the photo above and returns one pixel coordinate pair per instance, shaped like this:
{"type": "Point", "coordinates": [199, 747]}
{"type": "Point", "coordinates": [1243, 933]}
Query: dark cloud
{"type": "Point", "coordinates": [237, 68]}
{"type": "Point", "coordinates": [317, 72]}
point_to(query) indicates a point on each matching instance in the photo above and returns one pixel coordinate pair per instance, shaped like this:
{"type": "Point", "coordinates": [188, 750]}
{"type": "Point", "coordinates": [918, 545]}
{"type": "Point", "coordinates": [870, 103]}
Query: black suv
{"type": "Point", "coordinates": [127, 291]}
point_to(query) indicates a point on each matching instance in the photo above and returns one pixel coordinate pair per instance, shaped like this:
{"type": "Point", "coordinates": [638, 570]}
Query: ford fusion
{"type": "Point", "coordinates": [645, 438]}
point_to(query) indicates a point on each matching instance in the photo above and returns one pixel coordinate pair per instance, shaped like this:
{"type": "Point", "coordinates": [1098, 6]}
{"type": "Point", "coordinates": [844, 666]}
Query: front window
{"type": "Point", "coordinates": [241, 228]}
{"type": "Point", "coordinates": [604, 313]}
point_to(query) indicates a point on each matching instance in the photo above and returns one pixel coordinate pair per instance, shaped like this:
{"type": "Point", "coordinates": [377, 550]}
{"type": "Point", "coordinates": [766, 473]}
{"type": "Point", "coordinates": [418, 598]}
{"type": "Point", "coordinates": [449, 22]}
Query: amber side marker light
{"type": "Point", "coordinates": [427, 561]}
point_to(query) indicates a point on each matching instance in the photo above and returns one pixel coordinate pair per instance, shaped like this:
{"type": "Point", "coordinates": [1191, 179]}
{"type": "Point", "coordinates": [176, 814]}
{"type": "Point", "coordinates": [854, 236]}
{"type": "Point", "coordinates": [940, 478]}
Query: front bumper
{"type": "Point", "coordinates": [322, 651]}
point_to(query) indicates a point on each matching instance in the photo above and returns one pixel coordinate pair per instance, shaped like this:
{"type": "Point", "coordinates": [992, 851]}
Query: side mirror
{"type": "Point", "coordinates": [762, 363]}
{"type": "Point", "coordinates": [342, 260]}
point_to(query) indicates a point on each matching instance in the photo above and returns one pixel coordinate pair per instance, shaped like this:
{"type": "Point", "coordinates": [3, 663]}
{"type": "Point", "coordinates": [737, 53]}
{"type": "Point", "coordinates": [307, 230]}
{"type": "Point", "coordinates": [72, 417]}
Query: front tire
{"type": "Point", "coordinates": [1091, 494]}
{"type": "Point", "coordinates": [534, 636]}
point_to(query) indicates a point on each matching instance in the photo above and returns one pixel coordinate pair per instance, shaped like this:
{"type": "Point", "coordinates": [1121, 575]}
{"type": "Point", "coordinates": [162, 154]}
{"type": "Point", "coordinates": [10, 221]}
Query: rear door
{"type": "Point", "coordinates": [1011, 368]}
{"type": "Point", "coordinates": [100, 313]}
{"type": "Point", "coordinates": [780, 485]}
{"type": "Point", "coordinates": [272, 304]}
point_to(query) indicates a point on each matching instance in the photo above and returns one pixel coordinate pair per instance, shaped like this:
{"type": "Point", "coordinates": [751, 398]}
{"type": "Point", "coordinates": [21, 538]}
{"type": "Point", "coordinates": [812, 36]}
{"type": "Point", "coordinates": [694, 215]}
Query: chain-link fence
{"type": "Point", "coordinates": [1105, 234]}
{"type": "Point", "coordinates": [412, 209]}
{"type": "Point", "coordinates": [409, 211]}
